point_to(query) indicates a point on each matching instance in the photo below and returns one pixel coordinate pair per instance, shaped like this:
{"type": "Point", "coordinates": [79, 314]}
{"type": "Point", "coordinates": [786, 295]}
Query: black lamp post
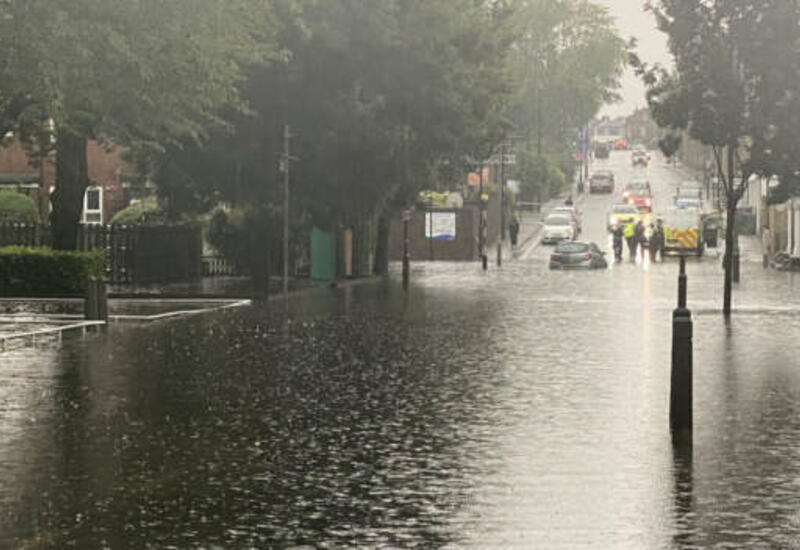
{"type": "Point", "coordinates": [406, 257]}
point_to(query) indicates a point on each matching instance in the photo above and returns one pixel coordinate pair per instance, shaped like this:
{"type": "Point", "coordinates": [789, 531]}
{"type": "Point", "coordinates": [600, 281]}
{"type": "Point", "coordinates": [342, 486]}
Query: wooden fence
{"type": "Point", "coordinates": [135, 255]}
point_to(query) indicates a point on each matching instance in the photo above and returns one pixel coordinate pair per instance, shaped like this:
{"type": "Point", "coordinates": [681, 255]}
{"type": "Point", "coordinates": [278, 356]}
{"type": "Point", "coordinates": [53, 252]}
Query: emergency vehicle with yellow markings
{"type": "Point", "coordinates": [683, 231]}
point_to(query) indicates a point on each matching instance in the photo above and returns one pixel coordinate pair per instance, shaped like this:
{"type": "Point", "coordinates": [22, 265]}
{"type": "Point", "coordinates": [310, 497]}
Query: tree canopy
{"type": "Point", "coordinates": [734, 87]}
{"type": "Point", "coordinates": [143, 73]}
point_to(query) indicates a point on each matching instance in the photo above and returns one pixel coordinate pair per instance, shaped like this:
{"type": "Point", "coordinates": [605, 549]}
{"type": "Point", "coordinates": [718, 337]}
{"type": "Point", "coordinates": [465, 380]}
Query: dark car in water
{"type": "Point", "coordinates": [602, 181]}
{"type": "Point", "coordinates": [577, 255]}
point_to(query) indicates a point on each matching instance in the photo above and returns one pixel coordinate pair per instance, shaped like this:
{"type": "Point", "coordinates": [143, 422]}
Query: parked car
{"type": "Point", "coordinates": [558, 227]}
{"type": "Point", "coordinates": [573, 212]}
{"type": "Point", "coordinates": [601, 151]}
{"type": "Point", "coordinates": [602, 181]}
{"type": "Point", "coordinates": [578, 255]}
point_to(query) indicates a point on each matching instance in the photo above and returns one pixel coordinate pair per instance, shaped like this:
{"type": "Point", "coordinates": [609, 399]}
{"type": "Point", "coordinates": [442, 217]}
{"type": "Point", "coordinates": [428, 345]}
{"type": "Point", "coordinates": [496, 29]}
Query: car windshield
{"type": "Point", "coordinates": [557, 220]}
{"type": "Point", "coordinates": [625, 209]}
{"type": "Point", "coordinates": [572, 248]}
{"type": "Point", "coordinates": [601, 175]}
{"type": "Point", "coordinates": [638, 187]}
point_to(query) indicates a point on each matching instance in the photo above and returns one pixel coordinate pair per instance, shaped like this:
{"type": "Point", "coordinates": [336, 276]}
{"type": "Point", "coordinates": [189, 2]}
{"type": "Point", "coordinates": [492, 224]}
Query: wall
{"type": "Point", "coordinates": [463, 248]}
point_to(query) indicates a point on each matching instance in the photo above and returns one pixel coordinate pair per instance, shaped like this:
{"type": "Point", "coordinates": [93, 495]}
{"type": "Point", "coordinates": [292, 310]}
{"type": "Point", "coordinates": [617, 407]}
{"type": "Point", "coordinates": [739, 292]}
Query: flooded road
{"type": "Point", "coordinates": [521, 408]}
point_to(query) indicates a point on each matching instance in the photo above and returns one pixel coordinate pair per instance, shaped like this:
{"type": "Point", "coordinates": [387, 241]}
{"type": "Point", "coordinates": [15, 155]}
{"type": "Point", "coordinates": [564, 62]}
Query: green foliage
{"type": "Point", "coordinates": [45, 272]}
{"type": "Point", "coordinates": [143, 73]}
{"type": "Point", "coordinates": [379, 104]}
{"type": "Point", "coordinates": [145, 212]}
{"type": "Point", "coordinates": [540, 177]}
{"type": "Point", "coordinates": [16, 207]}
{"type": "Point", "coordinates": [567, 62]}
{"type": "Point", "coordinates": [245, 236]}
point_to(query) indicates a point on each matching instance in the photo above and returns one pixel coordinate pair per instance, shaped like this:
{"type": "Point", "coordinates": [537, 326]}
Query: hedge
{"type": "Point", "coordinates": [44, 272]}
{"type": "Point", "coordinates": [16, 207]}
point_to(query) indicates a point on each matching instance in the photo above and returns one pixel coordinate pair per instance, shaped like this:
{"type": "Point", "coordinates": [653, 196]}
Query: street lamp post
{"type": "Point", "coordinates": [406, 258]}
{"type": "Point", "coordinates": [502, 204]}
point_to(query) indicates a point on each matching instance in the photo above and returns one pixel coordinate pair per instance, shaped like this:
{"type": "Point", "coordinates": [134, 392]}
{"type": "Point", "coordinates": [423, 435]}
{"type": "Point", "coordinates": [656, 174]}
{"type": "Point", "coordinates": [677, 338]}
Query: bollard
{"type": "Point", "coordinates": [406, 256]}
{"type": "Point", "coordinates": [102, 300]}
{"type": "Point", "coordinates": [499, 253]}
{"type": "Point", "coordinates": [485, 261]}
{"type": "Point", "coordinates": [680, 404]}
{"type": "Point", "coordinates": [736, 273]}
{"type": "Point", "coordinates": [90, 305]}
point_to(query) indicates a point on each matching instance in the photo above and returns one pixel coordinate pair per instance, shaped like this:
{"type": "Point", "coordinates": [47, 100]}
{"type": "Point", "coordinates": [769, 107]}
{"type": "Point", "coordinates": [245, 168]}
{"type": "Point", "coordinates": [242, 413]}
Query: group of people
{"type": "Point", "coordinates": [635, 234]}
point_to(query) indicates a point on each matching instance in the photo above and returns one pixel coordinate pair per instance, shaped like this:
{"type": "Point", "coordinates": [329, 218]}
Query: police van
{"type": "Point", "coordinates": [683, 231]}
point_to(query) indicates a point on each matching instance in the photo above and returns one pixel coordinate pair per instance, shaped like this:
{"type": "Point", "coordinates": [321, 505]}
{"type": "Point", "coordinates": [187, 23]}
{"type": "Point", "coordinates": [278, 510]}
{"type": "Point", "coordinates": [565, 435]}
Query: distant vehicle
{"type": "Point", "coordinates": [621, 214]}
{"type": "Point", "coordinates": [573, 212]}
{"type": "Point", "coordinates": [578, 255]}
{"type": "Point", "coordinates": [639, 194]}
{"type": "Point", "coordinates": [640, 156]}
{"type": "Point", "coordinates": [683, 231]}
{"type": "Point", "coordinates": [689, 197]}
{"type": "Point", "coordinates": [558, 227]}
{"type": "Point", "coordinates": [601, 151]}
{"type": "Point", "coordinates": [621, 144]}
{"type": "Point", "coordinates": [602, 181]}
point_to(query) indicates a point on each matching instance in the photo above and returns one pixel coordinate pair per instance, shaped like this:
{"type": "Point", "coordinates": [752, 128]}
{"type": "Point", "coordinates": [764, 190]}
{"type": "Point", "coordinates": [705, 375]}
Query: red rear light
{"type": "Point", "coordinates": [553, 257]}
{"type": "Point", "coordinates": [589, 256]}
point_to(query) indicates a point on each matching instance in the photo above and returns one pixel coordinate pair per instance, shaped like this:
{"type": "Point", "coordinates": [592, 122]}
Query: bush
{"type": "Point", "coordinates": [244, 236]}
{"type": "Point", "coordinates": [16, 207]}
{"type": "Point", "coordinates": [146, 211]}
{"type": "Point", "coordinates": [46, 272]}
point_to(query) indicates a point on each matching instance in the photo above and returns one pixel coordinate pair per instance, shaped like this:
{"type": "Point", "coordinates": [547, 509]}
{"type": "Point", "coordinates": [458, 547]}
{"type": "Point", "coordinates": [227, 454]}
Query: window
{"type": "Point", "coordinates": [93, 205]}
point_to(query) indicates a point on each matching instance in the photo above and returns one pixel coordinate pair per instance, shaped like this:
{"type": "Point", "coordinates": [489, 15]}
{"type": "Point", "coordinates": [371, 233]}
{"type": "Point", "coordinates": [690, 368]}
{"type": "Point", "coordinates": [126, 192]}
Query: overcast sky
{"type": "Point", "coordinates": [633, 21]}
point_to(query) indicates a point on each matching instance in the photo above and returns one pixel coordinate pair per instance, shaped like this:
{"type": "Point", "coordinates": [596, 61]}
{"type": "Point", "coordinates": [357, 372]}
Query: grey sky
{"type": "Point", "coordinates": [633, 21]}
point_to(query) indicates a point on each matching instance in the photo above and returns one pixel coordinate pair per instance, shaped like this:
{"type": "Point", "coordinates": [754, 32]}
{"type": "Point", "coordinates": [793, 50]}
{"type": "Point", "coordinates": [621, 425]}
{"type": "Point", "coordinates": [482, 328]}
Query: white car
{"type": "Point", "coordinates": [558, 227]}
{"type": "Point", "coordinates": [573, 213]}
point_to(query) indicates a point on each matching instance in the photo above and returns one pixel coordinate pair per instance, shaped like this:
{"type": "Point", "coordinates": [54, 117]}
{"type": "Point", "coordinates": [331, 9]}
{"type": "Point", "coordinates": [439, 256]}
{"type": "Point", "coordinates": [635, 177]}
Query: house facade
{"type": "Point", "coordinates": [108, 177]}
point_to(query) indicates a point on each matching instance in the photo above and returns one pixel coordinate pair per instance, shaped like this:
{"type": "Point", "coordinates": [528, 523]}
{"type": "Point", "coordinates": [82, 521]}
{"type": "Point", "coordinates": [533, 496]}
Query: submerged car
{"type": "Point", "coordinates": [578, 255]}
{"type": "Point", "coordinates": [558, 227]}
{"type": "Point", "coordinates": [602, 181]}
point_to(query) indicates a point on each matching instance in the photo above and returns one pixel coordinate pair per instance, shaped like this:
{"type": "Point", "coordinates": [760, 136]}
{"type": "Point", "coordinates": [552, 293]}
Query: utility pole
{"type": "Point", "coordinates": [502, 203]}
{"type": "Point", "coordinates": [286, 159]}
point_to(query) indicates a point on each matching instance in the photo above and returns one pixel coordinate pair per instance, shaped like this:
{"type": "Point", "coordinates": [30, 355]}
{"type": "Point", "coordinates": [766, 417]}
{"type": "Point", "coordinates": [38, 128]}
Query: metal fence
{"type": "Point", "coordinates": [135, 255]}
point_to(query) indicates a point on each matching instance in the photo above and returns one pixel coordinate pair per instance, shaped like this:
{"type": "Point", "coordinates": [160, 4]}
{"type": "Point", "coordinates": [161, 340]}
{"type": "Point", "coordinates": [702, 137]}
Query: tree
{"type": "Point", "coordinates": [141, 73]}
{"type": "Point", "coordinates": [381, 107]}
{"type": "Point", "coordinates": [715, 93]}
{"type": "Point", "coordinates": [568, 60]}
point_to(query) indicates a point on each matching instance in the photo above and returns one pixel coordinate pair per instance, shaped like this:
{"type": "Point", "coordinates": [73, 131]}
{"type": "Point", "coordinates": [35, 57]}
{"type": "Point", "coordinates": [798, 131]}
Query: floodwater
{"type": "Point", "coordinates": [521, 408]}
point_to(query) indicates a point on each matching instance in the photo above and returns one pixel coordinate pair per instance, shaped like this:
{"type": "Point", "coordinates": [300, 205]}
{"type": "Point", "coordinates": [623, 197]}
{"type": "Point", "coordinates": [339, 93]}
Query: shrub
{"type": "Point", "coordinates": [46, 272]}
{"type": "Point", "coordinates": [145, 211]}
{"type": "Point", "coordinates": [17, 207]}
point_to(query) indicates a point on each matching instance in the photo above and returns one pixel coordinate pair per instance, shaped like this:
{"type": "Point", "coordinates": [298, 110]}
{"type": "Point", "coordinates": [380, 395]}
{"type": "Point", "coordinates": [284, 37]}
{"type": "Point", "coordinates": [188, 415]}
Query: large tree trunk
{"type": "Point", "coordinates": [730, 243]}
{"type": "Point", "coordinates": [730, 231]}
{"type": "Point", "coordinates": [382, 246]}
{"type": "Point", "coordinates": [72, 179]}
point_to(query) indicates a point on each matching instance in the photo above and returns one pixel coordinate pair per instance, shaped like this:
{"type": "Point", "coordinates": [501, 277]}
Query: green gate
{"type": "Point", "coordinates": [323, 255]}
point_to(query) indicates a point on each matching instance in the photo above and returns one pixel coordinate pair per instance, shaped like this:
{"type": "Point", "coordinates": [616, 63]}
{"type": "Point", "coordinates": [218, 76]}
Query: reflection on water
{"type": "Point", "coordinates": [521, 408]}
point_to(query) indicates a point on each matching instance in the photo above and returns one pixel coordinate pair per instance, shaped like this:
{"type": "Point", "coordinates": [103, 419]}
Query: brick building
{"type": "Point", "coordinates": [108, 175]}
